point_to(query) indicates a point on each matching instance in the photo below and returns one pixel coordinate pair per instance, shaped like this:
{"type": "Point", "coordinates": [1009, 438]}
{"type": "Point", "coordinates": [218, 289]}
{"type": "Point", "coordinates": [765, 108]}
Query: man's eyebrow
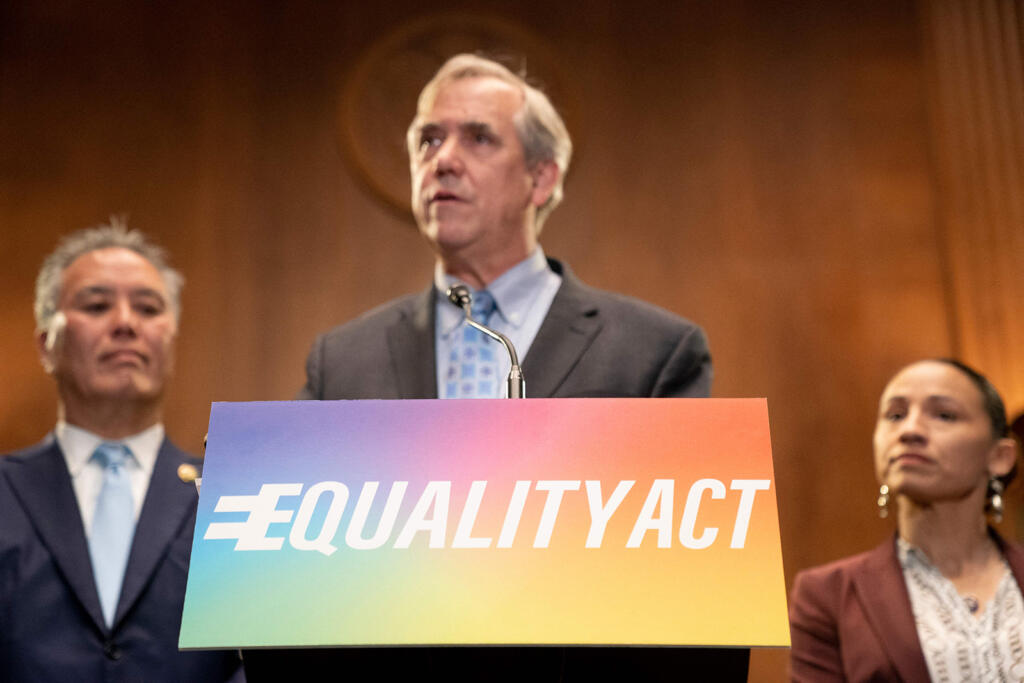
{"type": "Point", "coordinates": [476, 127]}
{"type": "Point", "coordinates": [428, 127]}
{"type": "Point", "coordinates": [147, 291]}
{"type": "Point", "coordinates": [471, 126]}
{"type": "Point", "coordinates": [93, 290]}
{"type": "Point", "coordinates": [103, 290]}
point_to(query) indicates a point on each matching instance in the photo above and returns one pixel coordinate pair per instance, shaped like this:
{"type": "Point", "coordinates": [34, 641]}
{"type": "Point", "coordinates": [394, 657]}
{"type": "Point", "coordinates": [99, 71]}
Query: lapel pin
{"type": "Point", "coordinates": [187, 473]}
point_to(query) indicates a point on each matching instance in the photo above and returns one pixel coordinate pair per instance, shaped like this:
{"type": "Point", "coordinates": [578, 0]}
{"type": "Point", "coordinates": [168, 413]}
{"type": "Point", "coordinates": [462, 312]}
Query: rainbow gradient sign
{"type": "Point", "coordinates": [541, 522]}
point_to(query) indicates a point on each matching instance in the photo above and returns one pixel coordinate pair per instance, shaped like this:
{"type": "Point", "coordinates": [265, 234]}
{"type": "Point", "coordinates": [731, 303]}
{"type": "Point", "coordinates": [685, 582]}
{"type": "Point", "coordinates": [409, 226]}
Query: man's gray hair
{"type": "Point", "coordinates": [113, 234]}
{"type": "Point", "coordinates": [540, 128]}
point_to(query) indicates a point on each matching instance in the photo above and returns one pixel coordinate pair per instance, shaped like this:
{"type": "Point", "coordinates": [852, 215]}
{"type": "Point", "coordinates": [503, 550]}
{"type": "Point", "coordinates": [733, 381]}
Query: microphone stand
{"type": "Point", "coordinates": [459, 296]}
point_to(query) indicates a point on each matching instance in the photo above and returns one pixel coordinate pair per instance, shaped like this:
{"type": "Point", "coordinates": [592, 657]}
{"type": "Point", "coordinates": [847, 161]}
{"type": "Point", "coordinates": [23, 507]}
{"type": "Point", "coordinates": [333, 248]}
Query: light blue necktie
{"type": "Point", "coordinates": [473, 365]}
{"type": "Point", "coordinates": [113, 525]}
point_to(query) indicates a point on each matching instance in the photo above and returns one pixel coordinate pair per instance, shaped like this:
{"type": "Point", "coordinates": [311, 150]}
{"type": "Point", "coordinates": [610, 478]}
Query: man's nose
{"type": "Point", "coordinates": [125, 318]}
{"type": "Point", "coordinates": [448, 158]}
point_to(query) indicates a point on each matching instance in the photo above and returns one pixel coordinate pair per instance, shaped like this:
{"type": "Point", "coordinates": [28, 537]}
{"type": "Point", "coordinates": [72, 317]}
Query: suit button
{"type": "Point", "coordinates": [112, 651]}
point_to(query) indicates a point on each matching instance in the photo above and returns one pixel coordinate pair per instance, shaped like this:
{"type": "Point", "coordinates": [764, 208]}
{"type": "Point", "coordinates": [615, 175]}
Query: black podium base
{"type": "Point", "coordinates": [529, 664]}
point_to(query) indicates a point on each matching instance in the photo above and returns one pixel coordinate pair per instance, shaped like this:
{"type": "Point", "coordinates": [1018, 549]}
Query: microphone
{"type": "Point", "coordinates": [459, 296]}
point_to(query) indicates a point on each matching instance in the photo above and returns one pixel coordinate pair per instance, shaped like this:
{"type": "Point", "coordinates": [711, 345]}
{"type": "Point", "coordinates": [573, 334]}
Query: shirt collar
{"type": "Point", "coordinates": [911, 557]}
{"type": "Point", "coordinates": [514, 292]}
{"type": "Point", "coordinates": [78, 445]}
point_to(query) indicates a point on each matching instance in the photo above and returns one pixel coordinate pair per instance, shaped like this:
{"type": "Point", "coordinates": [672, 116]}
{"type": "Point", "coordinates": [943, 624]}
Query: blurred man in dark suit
{"type": "Point", "coordinates": [96, 521]}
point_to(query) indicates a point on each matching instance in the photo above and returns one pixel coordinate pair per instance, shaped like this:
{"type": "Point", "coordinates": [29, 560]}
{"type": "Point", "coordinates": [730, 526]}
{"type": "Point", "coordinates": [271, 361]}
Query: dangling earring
{"type": "Point", "coordinates": [883, 501]}
{"type": "Point", "coordinates": [995, 501]}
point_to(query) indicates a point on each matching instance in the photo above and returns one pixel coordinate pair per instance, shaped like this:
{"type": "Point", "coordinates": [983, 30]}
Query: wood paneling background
{"type": "Point", "coordinates": [832, 189]}
{"type": "Point", "coordinates": [975, 53]}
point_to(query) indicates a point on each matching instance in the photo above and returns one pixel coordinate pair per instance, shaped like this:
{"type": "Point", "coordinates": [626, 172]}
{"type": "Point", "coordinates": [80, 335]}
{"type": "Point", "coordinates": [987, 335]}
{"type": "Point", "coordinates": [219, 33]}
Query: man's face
{"type": "Point", "coordinates": [472, 193]}
{"type": "Point", "coordinates": [118, 340]}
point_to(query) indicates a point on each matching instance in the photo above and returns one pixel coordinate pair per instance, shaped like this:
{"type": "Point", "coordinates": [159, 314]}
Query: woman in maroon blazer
{"type": "Point", "coordinates": [941, 600]}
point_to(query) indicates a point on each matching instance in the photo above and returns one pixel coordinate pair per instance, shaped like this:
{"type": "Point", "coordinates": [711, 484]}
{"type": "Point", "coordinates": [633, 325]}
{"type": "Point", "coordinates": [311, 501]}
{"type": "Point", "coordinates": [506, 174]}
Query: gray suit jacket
{"type": "Point", "coordinates": [592, 343]}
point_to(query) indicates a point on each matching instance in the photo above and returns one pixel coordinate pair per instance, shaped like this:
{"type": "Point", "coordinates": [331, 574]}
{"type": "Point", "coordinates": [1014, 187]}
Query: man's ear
{"type": "Point", "coordinates": [48, 341]}
{"type": "Point", "coordinates": [545, 176]}
{"type": "Point", "coordinates": [45, 354]}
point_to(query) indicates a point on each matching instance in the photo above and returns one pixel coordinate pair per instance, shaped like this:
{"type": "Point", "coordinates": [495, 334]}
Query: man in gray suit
{"type": "Point", "coordinates": [488, 154]}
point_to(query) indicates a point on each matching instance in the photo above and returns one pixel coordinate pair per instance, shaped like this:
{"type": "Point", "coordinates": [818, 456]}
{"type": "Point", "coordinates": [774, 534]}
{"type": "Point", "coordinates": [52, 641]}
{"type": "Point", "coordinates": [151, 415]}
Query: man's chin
{"type": "Point", "coordinates": [129, 388]}
{"type": "Point", "coordinates": [452, 242]}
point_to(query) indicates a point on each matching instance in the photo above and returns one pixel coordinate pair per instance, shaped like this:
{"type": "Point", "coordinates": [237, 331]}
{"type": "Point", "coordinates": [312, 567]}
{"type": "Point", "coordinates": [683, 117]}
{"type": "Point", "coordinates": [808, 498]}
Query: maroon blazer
{"type": "Point", "coordinates": [851, 620]}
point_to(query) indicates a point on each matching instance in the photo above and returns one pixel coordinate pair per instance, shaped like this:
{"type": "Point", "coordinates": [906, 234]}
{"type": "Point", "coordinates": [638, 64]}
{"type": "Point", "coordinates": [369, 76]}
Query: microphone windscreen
{"type": "Point", "coordinates": [459, 295]}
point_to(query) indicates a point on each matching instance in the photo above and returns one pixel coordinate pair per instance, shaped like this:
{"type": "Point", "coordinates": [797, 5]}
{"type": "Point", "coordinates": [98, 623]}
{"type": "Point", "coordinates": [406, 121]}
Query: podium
{"type": "Point", "coordinates": [563, 538]}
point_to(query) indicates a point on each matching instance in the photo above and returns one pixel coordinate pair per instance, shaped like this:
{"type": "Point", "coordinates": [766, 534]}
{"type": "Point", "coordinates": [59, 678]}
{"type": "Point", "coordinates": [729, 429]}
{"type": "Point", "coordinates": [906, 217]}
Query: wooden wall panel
{"type": "Point", "coordinates": [975, 52]}
{"type": "Point", "coordinates": [772, 170]}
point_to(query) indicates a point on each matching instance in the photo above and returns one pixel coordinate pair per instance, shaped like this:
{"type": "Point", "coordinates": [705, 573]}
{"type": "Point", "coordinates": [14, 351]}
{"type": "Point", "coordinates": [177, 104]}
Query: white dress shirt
{"type": "Point", "coordinates": [78, 445]}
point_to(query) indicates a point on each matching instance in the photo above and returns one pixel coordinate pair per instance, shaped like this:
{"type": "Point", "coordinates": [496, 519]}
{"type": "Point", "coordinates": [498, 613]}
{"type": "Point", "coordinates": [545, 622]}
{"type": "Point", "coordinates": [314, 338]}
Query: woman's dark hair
{"type": "Point", "coordinates": [993, 403]}
{"type": "Point", "coordinates": [991, 399]}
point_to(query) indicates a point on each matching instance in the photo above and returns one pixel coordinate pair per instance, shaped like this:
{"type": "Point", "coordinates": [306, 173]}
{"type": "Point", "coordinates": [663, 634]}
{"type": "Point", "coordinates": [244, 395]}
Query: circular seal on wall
{"type": "Point", "coordinates": [378, 99]}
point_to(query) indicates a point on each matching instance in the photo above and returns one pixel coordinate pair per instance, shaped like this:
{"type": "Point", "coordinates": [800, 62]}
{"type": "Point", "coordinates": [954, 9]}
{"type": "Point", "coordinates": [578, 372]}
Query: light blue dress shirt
{"type": "Point", "coordinates": [77, 445]}
{"type": "Point", "coordinates": [523, 296]}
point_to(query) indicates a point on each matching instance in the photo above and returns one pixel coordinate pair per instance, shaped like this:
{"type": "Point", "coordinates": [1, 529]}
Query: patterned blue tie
{"type": "Point", "coordinates": [473, 365]}
{"type": "Point", "coordinates": [113, 525]}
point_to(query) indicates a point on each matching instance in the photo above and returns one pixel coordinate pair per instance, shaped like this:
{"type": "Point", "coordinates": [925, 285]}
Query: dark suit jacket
{"type": "Point", "coordinates": [51, 627]}
{"type": "Point", "coordinates": [592, 343]}
{"type": "Point", "coordinates": [851, 620]}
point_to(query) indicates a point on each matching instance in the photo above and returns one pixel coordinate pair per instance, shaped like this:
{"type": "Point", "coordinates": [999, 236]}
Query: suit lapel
{"type": "Point", "coordinates": [570, 326]}
{"type": "Point", "coordinates": [43, 487]}
{"type": "Point", "coordinates": [409, 340]}
{"type": "Point", "coordinates": [169, 503]}
{"type": "Point", "coordinates": [568, 329]}
{"type": "Point", "coordinates": [883, 594]}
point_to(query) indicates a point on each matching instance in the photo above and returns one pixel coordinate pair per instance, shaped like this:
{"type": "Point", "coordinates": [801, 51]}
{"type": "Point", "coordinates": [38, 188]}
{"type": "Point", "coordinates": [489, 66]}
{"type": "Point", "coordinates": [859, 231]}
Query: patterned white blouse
{"type": "Point", "coordinates": [960, 644]}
